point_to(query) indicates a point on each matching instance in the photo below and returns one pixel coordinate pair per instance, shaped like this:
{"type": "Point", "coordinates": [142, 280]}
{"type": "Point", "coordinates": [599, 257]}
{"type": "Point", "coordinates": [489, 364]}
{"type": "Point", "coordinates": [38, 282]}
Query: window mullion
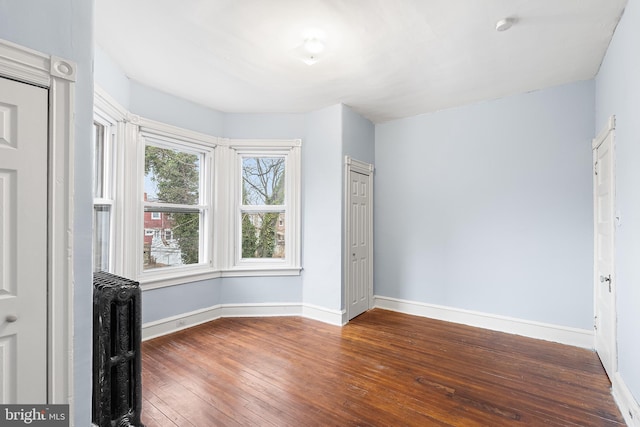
{"type": "Point", "coordinates": [263, 208]}
{"type": "Point", "coordinates": [172, 207]}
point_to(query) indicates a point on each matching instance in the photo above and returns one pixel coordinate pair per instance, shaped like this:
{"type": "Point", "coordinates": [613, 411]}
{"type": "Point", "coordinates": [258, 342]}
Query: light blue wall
{"type": "Point", "coordinates": [264, 126]}
{"type": "Point", "coordinates": [111, 78]}
{"type": "Point", "coordinates": [64, 28]}
{"type": "Point", "coordinates": [358, 136]}
{"type": "Point", "coordinates": [258, 290]}
{"type": "Point", "coordinates": [618, 92]}
{"type": "Point", "coordinates": [163, 107]}
{"type": "Point", "coordinates": [322, 208]}
{"type": "Point", "coordinates": [488, 207]}
{"type": "Point", "coordinates": [180, 299]}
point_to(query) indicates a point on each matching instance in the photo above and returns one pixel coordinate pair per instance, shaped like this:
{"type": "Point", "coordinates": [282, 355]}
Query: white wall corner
{"type": "Point", "coordinates": [322, 314]}
{"type": "Point", "coordinates": [627, 404]}
{"type": "Point", "coordinates": [543, 331]}
{"type": "Point", "coordinates": [345, 317]}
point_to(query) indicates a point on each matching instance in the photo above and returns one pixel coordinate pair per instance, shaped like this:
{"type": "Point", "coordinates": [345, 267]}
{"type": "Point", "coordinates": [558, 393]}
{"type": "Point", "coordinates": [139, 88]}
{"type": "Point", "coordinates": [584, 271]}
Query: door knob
{"type": "Point", "coordinates": [11, 318]}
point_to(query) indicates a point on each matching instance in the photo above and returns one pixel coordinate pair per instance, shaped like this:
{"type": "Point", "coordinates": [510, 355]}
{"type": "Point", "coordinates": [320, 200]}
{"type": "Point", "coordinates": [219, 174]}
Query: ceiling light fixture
{"type": "Point", "coordinates": [504, 24]}
{"type": "Point", "coordinates": [312, 46]}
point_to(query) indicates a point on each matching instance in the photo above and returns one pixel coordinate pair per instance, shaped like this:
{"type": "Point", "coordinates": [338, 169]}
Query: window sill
{"type": "Point", "coordinates": [258, 272]}
{"type": "Point", "coordinates": [184, 277]}
{"type": "Point", "coordinates": [154, 280]}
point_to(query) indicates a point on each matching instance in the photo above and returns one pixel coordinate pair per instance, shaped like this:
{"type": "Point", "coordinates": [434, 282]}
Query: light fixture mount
{"type": "Point", "coordinates": [505, 23]}
{"type": "Point", "coordinates": [313, 45]}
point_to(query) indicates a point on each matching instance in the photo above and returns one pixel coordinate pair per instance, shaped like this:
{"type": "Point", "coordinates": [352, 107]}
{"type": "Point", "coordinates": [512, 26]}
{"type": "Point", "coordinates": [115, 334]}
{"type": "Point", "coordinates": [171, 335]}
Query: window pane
{"type": "Point", "coordinates": [171, 176]}
{"type": "Point", "coordinates": [263, 235]}
{"type": "Point", "coordinates": [101, 230]}
{"type": "Point", "coordinates": [263, 180]}
{"type": "Point", "coordinates": [98, 160]}
{"type": "Point", "coordinates": [172, 240]}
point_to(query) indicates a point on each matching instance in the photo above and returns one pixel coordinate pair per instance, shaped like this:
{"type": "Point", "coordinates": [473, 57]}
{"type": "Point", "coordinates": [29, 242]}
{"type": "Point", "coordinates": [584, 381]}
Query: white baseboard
{"type": "Point", "coordinates": [172, 324]}
{"type": "Point", "coordinates": [333, 317]}
{"type": "Point", "coordinates": [186, 320]}
{"type": "Point", "coordinates": [571, 336]}
{"type": "Point", "coordinates": [260, 310]}
{"type": "Point", "coordinates": [629, 407]}
{"type": "Point", "coordinates": [560, 334]}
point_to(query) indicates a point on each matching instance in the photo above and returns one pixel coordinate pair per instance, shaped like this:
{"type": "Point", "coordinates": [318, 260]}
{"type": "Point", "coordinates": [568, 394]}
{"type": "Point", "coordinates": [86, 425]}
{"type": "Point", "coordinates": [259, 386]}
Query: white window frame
{"type": "Point", "coordinates": [290, 264]}
{"type": "Point", "coordinates": [108, 182]}
{"type": "Point", "coordinates": [166, 136]}
{"type": "Point", "coordinates": [108, 112]}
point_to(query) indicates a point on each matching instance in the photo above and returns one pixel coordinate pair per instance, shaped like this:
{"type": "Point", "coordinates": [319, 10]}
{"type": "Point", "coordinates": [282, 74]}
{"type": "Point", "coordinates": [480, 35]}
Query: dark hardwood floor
{"type": "Point", "coordinates": [382, 369]}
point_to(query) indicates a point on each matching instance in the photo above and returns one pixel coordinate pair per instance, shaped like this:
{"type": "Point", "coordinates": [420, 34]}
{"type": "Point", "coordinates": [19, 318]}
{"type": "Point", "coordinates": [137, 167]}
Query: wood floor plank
{"type": "Point", "coordinates": [383, 368]}
{"type": "Point", "coordinates": [154, 417]}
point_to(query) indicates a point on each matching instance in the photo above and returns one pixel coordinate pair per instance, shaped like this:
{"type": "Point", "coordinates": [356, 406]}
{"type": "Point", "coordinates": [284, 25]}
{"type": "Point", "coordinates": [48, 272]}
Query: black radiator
{"type": "Point", "coordinates": [117, 363]}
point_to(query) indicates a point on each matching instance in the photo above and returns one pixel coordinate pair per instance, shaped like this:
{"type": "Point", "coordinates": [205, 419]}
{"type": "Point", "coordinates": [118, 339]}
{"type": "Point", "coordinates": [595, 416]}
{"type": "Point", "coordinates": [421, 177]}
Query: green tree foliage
{"type": "Point", "coordinates": [267, 237]}
{"type": "Point", "coordinates": [249, 238]}
{"type": "Point", "coordinates": [177, 177]}
{"type": "Point", "coordinates": [186, 230]}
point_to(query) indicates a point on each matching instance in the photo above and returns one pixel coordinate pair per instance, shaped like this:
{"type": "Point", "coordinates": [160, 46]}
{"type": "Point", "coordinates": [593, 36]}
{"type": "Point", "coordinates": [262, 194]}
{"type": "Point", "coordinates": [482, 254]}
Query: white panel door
{"type": "Point", "coordinates": [23, 243]}
{"type": "Point", "coordinates": [605, 312]}
{"type": "Point", "coordinates": [359, 233]}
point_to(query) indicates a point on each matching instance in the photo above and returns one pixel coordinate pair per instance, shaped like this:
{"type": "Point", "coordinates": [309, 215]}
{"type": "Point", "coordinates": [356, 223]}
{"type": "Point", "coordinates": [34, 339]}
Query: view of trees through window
{"type": "Point", "coordinates": [172, 177]}
{"type": "Point", "coordinates": [263, 212]}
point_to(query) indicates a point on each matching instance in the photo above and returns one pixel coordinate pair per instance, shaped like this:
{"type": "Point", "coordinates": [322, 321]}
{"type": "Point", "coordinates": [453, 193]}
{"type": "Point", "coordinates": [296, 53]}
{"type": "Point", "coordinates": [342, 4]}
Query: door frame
{"type": "Point", "coordinates": [609, 130]}
{"type": "Point", "coordinates": [58, 76]}
{"type": "Point", "coordinates": [353, 165]}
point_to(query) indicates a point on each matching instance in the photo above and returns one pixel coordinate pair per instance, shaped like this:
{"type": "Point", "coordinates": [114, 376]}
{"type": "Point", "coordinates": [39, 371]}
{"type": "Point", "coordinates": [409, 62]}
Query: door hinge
{"type": "Point", "coordinates": [595, 168]}
{"type": "Point", "coordinates": [595, 322]}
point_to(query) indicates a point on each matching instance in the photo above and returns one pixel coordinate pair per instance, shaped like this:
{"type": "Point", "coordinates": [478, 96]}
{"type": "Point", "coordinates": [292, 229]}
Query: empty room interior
{"type": "Point", "coordinates": [412, 212]}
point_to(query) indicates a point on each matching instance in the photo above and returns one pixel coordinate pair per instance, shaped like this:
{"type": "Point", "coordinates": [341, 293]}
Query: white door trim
{"type": "Point", "coordinates": [609, 130]}
{"type": "Point", "coordinates": [366, 169]}
{"type": "Point", "coordinates": [57, 75]}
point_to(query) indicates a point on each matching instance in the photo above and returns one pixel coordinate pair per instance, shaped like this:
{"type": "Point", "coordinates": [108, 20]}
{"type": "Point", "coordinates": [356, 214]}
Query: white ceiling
{"type": "Point", "coordinates": [386, 59]}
